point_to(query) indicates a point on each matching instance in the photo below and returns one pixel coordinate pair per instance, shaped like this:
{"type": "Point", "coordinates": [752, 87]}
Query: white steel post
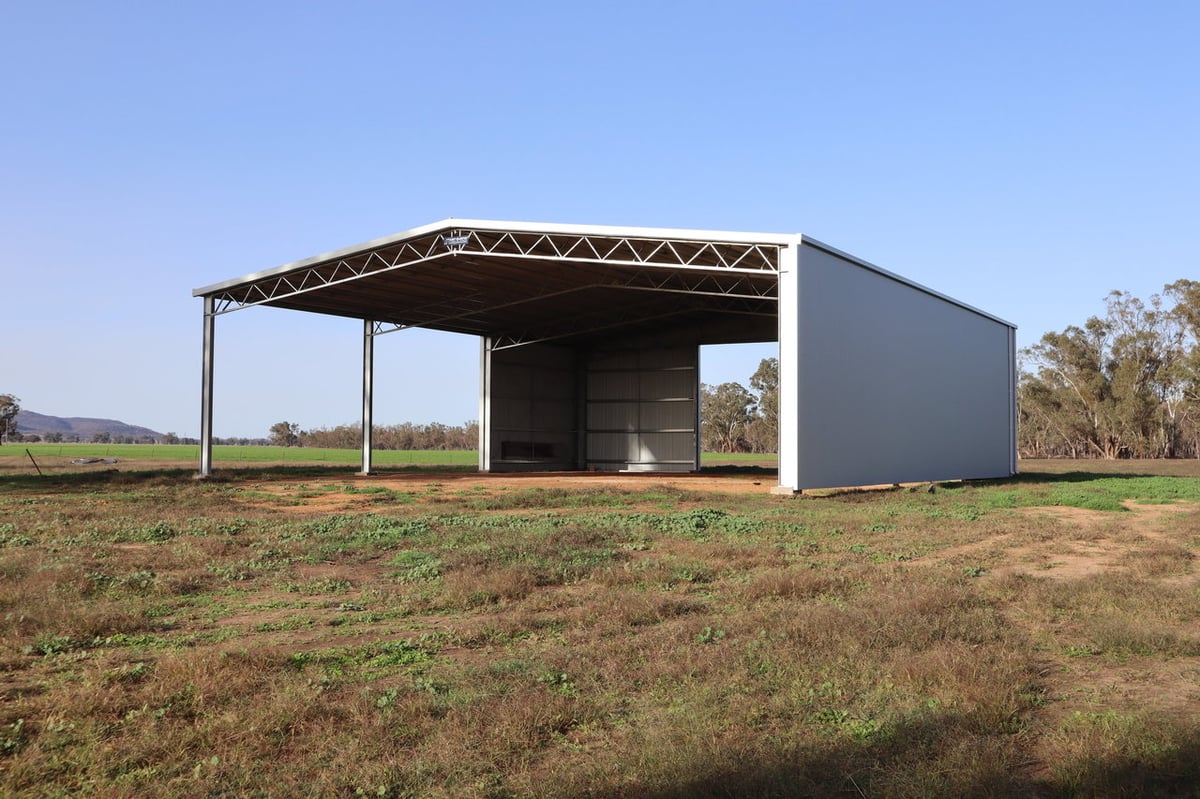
{"type": "Point", "coordinates": [485, 403]}
{"type": "Point", "coordinates": [1014, 411]}
{"type": "Point", "coordinates": [697, 416]}
{"type": "Point", "coordinates": [789, 368]}
{"type": "Point", "coordinates": [206, 390]}
{"type": "Point", "coordinates": [368, 387]}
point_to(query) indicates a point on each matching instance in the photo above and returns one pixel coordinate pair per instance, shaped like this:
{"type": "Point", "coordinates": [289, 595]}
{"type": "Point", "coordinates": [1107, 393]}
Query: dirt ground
{"type": "Point", "coordinates": [494, 482]}
{"type": "Point", "coordinates": [1096, 541]}
{"type": "Point", "coordinates": [733, 482]}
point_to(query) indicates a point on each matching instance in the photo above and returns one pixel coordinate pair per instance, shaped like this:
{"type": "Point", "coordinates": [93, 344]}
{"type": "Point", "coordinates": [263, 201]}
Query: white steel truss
{"type": "Point", "coordinates": [677, 254]}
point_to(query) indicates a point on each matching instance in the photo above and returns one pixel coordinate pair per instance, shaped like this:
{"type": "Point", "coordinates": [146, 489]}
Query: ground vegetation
{"type": "Point", "coordinates": [302, 631]}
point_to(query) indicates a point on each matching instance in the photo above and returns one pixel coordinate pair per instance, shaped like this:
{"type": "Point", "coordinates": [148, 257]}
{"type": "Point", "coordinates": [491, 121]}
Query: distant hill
{"type": "Point", "coordinates": [30, 423]}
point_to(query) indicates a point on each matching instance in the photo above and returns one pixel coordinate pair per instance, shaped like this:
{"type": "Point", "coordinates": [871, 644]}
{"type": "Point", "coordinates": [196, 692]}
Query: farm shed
{"type": "Point", "coordinates": [590, 339]}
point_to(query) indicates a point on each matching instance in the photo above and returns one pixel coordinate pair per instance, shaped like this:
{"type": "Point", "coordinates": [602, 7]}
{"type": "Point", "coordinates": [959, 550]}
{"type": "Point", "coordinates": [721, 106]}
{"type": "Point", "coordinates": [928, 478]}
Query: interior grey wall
{"type": "Point", "coordinates": [895, 384]}
{"type": "Point", "coordinates": [556, 408]}
{"type": "Point", "coordinates": [533, 402]}
{"type": "Point", "coordinates": [641, 409]}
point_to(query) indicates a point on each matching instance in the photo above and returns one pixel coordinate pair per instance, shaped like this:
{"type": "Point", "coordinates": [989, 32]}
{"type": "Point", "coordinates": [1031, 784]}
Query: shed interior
{"type": "Point", "coordinates": [590, 335]}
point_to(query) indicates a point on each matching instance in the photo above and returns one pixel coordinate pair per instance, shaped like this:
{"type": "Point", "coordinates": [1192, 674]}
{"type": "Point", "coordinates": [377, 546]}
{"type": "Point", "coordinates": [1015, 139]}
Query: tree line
{"type": "Point", "coordinates": [405, 436]}
{"type": "Point", "coordinates": [1122, 385]}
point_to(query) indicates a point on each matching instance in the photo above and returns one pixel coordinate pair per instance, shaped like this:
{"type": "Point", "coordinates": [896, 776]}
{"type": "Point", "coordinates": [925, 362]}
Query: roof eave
{"type": "Point", "coordinates": [680, 234]}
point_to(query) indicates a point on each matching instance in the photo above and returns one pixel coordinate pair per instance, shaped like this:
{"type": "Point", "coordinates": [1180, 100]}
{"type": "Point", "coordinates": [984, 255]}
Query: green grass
{"type": "Point", "coordinates": [744, 459]}
{"type": "Point", "coordinates": [1103, 492]}
{"type": "Point", "coordinates": [239, 454]}
{"type": "Point", "coordinates": [281, 632]}
{"type": "Point", "coordinates": [269, 454]}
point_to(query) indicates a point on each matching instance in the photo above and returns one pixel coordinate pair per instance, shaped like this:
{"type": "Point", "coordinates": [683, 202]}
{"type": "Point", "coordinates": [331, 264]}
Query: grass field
{"type": "Point", "coordinates": [190, 454]}
{"type": "Point", "coordinates": [290, 632]}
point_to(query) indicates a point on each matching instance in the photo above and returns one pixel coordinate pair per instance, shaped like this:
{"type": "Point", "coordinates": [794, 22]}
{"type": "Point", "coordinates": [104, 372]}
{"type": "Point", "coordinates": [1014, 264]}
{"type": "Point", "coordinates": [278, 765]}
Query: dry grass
{"type": "Point", "coordinates": [307, 634]}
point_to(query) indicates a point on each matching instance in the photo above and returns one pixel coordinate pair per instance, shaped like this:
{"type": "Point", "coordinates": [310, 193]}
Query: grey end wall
{"type": "Point", "coordinates": [895, 384]}
{"type": "Point", "coordinates": [641, 409]}
{"type": "Point", "coordinates": [557, 408]}
{"type": "Point", "coordinates": [529, 417]}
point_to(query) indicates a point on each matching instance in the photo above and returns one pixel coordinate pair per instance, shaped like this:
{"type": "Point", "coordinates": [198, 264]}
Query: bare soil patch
{"type": "Point", "coordinates": [495, 482]}
{"type": "Point", "coordinates": [1077, 542]}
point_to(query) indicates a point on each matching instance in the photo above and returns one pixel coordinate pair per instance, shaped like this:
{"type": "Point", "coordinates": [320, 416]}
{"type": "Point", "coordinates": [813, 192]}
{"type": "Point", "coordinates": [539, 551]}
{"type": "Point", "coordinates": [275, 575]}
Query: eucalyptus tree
{"type": "Point", "coordinates": [1184, 404]}
{"type": "Point", "coordinates": [285, 434]}
{"type": "Point", "coordinates": [763, 432]}
{"type": "Point", "coordinates": [10, 406]}
{"type": "Point", "coordinates": [726, 412]}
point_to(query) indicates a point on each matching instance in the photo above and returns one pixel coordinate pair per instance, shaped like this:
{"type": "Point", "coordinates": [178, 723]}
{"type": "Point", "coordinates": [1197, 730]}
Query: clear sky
{"type": "Point", "coordinates": [1024, 157]}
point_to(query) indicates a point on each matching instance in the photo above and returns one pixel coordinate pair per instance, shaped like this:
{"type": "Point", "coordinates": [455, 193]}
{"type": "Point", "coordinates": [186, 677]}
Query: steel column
{"type": "Point", "coordinates": [485, 403]}
{"type": "Point", "coordinates": [1014, 411]}
{"type": "Point", "coordinates": [698, 415]}
{"type": "Point", "coordinates": [789, 369]}
{"type": "Point", "coordinates": [367, 395]}
{"type": "Point", "coordinates": [206, 390]}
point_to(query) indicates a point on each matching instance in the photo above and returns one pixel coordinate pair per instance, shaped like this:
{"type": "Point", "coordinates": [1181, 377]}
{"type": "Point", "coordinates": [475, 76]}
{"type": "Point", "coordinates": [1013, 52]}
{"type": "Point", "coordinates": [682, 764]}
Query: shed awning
{"type": "Point", "coordinates": [521, 283]}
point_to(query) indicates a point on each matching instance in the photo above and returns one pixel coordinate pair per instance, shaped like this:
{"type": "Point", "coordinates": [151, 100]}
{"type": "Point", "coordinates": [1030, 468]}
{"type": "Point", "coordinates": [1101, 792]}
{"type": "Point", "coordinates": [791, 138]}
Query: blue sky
{"type": "Point", "coordinates": [1026, 158]}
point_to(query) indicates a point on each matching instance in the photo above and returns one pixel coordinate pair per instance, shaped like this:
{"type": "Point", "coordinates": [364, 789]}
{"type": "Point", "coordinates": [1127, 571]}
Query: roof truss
{"type": "Point", "coordinates": [645, 255]}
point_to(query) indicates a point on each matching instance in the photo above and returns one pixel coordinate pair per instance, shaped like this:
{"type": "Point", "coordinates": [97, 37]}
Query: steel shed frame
{"type": "Point", "coordinates": [840, 323]}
